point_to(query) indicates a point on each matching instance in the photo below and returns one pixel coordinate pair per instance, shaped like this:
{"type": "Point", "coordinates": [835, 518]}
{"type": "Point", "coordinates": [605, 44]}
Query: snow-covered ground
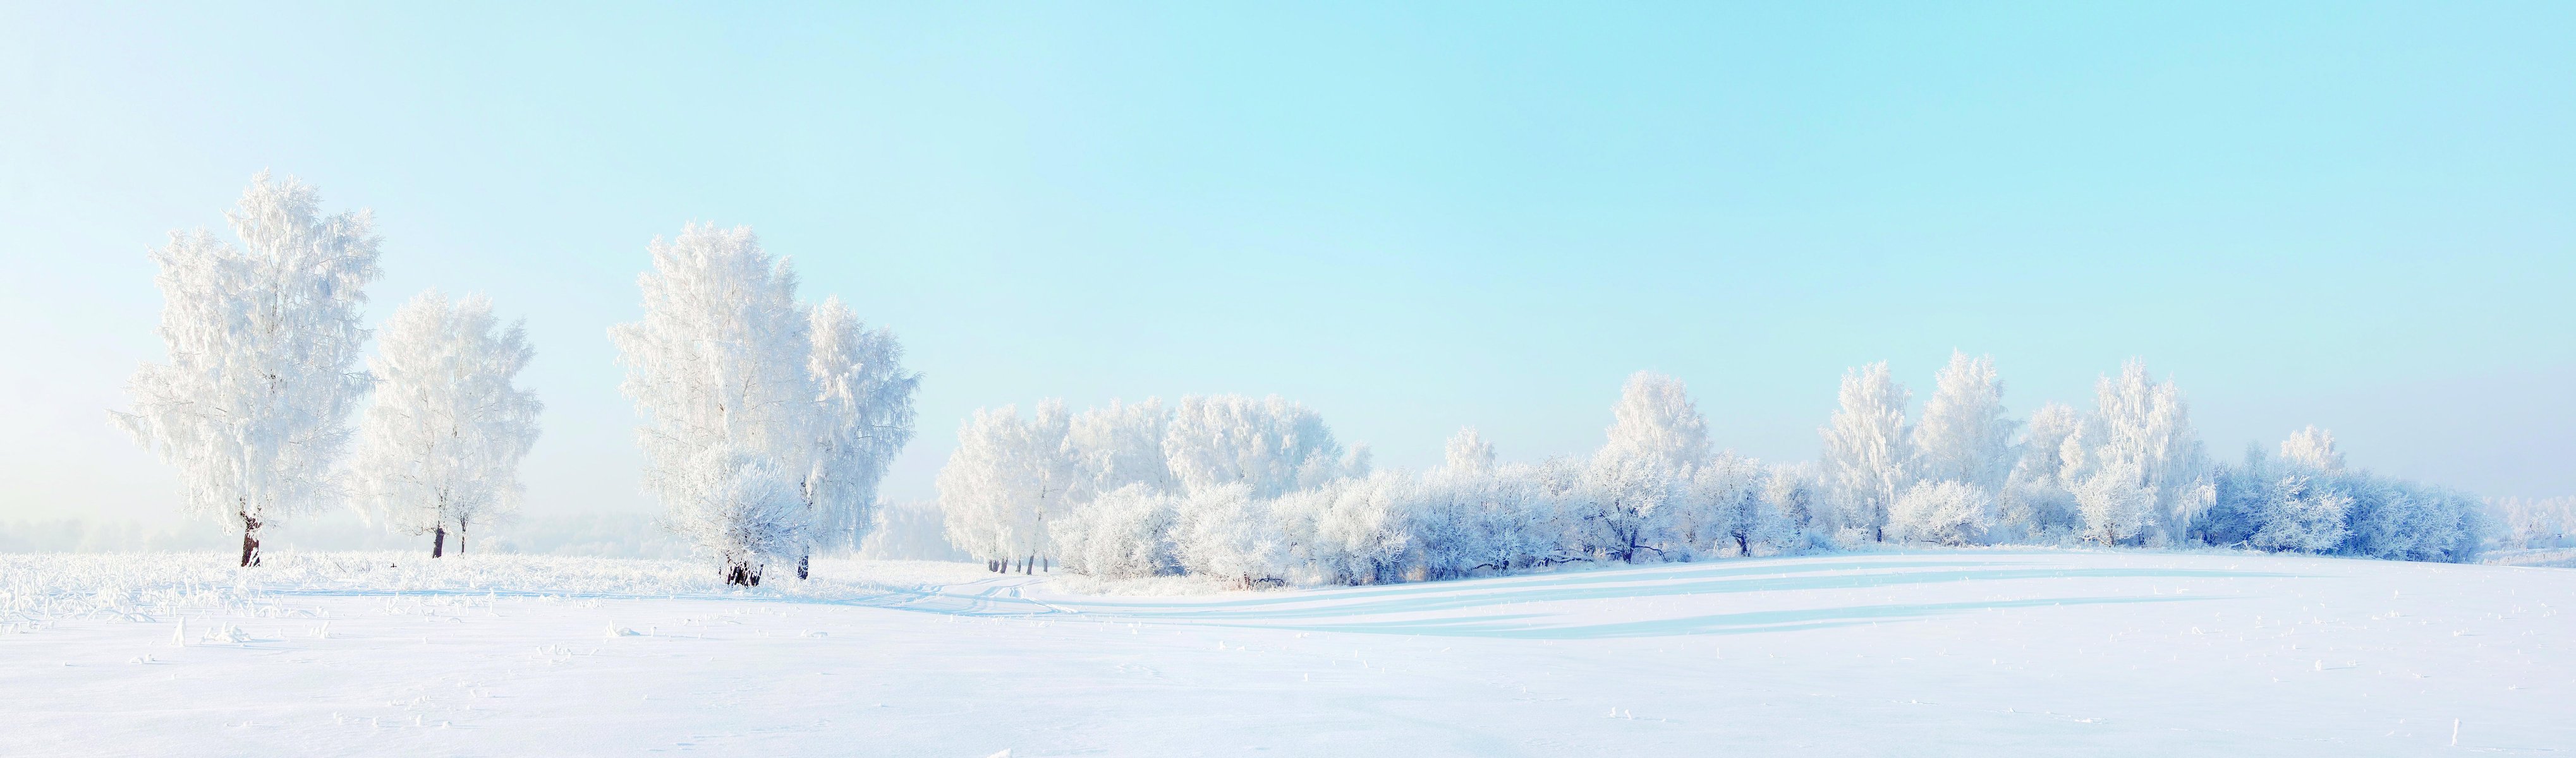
{"type": "Point", "coordinates": [1935, 653]}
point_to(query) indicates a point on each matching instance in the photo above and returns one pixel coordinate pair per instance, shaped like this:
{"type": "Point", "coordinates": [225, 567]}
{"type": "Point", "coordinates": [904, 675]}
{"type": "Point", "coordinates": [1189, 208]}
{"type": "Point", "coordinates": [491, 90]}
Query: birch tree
{"type": "Point", "coordinates": [862, 418]}
{"type": "Point", "coordinates": [263, 338]}
{"type": "Point", "coordinates": [440, 445]}
{"type": "Point", "coordinates": [719, 369]}
{"type": "Point", "coordinates": [1869, 457]}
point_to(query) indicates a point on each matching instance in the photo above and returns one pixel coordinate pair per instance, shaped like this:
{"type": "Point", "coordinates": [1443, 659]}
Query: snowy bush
{"type": "Point", "coordinates": [1123, 534]}
{"type": "Point", "coordinates": [2306, 501]}
{"type": "Point", "coordinates": [2114, 507]}
{"type": "Point", "coordinates": [1946, 512]}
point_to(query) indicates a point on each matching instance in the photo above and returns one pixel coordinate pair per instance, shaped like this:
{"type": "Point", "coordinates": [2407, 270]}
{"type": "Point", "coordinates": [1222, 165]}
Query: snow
{"type": "Point", "coordinates": [1968, 652]}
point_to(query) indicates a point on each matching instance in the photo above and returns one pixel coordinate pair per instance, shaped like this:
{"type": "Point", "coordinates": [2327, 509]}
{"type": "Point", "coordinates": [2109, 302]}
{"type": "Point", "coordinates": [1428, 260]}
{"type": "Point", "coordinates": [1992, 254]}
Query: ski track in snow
{"type": "Point", "coordinates": [1919, 653]}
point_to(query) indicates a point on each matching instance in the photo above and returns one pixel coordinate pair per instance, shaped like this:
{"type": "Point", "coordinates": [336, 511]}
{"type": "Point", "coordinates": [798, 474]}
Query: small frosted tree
{"type": "Point", "coordinates": [861, 419]}
{"type": "Point", "coordinates": [440, 446]}
{"type": "Point", "coordinates": [2314, 448]}
{"type": "Point", "coordinates": [253, 406]}
{"type": "Point", "coordinates": [1964, 435]}
{"type": "Point", "coordinates": [1869, 456]}
{"type": "Point", "coordinates": [719, 369]}
{"type": "Point", "coordinates": [2115, 508]}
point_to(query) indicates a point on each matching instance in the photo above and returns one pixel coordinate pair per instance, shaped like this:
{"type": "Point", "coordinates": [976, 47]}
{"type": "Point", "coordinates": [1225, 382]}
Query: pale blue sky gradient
{"type": "Point", "coordinates": [1411, 218]}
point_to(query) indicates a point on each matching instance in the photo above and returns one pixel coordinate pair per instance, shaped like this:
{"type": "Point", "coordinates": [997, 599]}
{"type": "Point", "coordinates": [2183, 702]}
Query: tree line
{"type": "Point", "coordinates": [1259, 492]}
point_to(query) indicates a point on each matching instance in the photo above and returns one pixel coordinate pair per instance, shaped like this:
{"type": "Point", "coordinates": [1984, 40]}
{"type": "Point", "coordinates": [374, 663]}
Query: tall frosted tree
{"type": "Point", "coordinates": [1006, 481]}
{"type": "Point", "coordinates": [2141, 431]}
{"type": "Point", "coordinates": [264, 339]}
{"type": "Point", "coordinates": [1869, 456]}
{"type": "Point", "coordinates": [1963, 435]}
{"type": "Point", "coordinates": [440, 446]}
{"type": "Point", "coordinates": [719, 370]}
{"type": "Point", "coordinates": [862, 418]}
{"type": "Point", "coordinates": [1656, 423]}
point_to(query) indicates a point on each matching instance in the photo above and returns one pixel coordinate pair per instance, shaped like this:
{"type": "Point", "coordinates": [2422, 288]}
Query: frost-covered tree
{"type": "Point", "coordinates": [861, 419]}
{"type": "Point", "coordinates": [1869, 455]}
{"type": "Point", "coordinates": [1656, 424]}
{"type": "Point", "coordinates": [1468, 452]}
{"type": "Point", "coordinates": [2313, 447]}
{"type": "Point", "coordinates": [1798, 493]}
{"type": "Point", "coordinates": [1269, 445]}
{"type": "Point", "coordinates": [1947, 512]}
{"type": "Point", "coordinates": [2536, 522]}
{"type": "Point", "coordinates": [1963, 435]}
{"type": "Point", "coordinates": [2114, 507]}
{"type": "Point", "coordinates": [1006, 482]}
{"type": "Point", "coordinates": [2141, 429]}
{"type": "Point", "coordinates": [1739, 513]}
{"type": "Point", "coordinates": [2038, 500]}
{"type": "Point", "coordinates": [440, 445]}
{"type": "Point", "coordinates": [720, 370]}
{"type": "Point", "coordinates": [264, 339]}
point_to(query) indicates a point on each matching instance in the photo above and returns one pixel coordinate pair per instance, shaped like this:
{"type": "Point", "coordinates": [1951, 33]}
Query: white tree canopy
{"type": "Point", "coordinates": [441, 443]}
{"type": "Point", "coordinates": [1656, 423]}
{"type": "Point", "coordinates": [253, 406]}
{"type": "Point", "coordinates": [1269, 445]}
{"type": "Point", "coordinates": [2313, 447]}
{"type": "Point", "coordinates": [1468, 452]}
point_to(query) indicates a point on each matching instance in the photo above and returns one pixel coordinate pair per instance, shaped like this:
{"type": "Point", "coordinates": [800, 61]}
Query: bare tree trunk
{"type": "Point", "coordinates": [800, 565]}
{"type": "Point", "coordinates": [460, 536]}
{"type": "Point", "coordinates": [438, 542]}
{"type": "Point", "coordinates": [250, 540]}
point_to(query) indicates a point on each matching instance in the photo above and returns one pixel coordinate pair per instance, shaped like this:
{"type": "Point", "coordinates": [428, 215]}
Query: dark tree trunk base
{"type": "Point", "coordinates": [250, 541]}
{"type": "Point", "coordinates": [438, 543]}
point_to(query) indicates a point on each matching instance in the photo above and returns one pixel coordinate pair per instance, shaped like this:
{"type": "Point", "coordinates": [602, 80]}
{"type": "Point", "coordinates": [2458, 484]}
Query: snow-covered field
{"type": "Point", "coordinates": [1935, 653]}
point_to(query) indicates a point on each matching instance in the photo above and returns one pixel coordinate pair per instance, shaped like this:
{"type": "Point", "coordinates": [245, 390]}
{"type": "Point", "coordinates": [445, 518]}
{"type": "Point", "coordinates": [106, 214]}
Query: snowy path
{"type": "Point", "coordinates": [1959, 653]}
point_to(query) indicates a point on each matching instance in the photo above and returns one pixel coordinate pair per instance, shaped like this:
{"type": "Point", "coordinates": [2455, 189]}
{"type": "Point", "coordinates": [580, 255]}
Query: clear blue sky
{"type": "Point", "coordinates": [1409, 216]}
